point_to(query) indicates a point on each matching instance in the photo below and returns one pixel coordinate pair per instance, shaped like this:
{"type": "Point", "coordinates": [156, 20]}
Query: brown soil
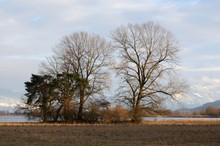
{"type": "Point", "coordinates": [109, 135]}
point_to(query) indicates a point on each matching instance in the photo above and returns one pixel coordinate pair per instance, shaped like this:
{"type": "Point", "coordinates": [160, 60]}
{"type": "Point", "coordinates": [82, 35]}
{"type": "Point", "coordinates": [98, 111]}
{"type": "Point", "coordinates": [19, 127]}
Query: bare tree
{"type": "Point", "coordinates": [87, 57]}
{"type": "Point", "coordinates": [146, 61]}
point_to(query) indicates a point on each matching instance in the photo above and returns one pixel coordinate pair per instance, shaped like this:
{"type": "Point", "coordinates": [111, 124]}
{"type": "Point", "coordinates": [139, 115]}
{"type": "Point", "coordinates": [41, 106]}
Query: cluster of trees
{"type": "Point", "coordinates": [72, 83]}
{"type": "Point", "coordinates": [210, 111]}
{"type": "Point", "coordinates": [4, 112]}
{"type": "Point", "coordinates": [213, 111]}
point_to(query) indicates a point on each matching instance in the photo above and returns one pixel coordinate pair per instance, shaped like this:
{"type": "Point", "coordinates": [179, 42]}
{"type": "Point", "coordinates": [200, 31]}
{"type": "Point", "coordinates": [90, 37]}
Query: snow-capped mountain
{"type": "Point", "coordinates": [9, 100]}
{"type": "Point", "coordinates": [198, 94]}
{"type": "Point", "coordinates": [201, 107]}
{"type": "Point", "coordinates": [8, 104]}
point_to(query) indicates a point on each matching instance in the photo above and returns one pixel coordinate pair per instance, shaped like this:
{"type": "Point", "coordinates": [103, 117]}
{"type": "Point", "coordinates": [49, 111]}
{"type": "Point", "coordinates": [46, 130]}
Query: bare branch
{"type": "Point", "coordinates": [148, 54]}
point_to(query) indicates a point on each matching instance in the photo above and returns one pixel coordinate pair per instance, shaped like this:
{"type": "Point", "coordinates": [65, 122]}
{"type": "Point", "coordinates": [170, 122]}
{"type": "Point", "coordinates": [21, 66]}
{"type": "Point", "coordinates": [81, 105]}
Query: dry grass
{"type": "Point", "coordinates": [183, 122]}
{"type": "Point", "coordinates": [147, 133]}
{"type": "Point", "coordinates": [165, 122]}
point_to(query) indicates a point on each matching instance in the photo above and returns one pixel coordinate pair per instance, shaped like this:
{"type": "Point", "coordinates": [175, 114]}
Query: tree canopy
{"type": "Point", "coordinates": [79, 71]}
{"type": "Point", "coordinates": [147, 56]}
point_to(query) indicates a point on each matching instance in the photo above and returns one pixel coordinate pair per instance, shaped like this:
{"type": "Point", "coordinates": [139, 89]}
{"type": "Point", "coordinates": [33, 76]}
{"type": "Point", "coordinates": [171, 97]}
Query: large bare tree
{"type": "Point", "coordinates": [85, 55]}
{"type": "Point", "coordinates": [146, 62]}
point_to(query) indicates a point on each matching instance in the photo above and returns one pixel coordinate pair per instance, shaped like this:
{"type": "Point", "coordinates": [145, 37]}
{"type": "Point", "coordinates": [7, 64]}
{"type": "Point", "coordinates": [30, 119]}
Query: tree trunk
{"type": "Point", "coordinates": [81, 103]}
{"type": "Point", "coordinates": [44, 116]}
{"type": "Point", "coordinates": [136, 109]}
{"type": "Point", "coordinates": [136, 112]}
{"type": "Point", "coordinates": [44, 110]}
{"type": "Point", "coordinates": [80, 112]}
{"type": "Point", "coordinates": [57, 114]}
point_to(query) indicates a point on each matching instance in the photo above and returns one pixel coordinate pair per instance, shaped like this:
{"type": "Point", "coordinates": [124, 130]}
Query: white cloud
{"type": "Point", "coordinates": [133, 5]}
{"type": "Point", "coordinates": [201, 91]}
{"type": "Point", "coordinates": [205, 81]}
{"type": "Point", "coordinates": [194, 2]}
{"type": "Point", "coordinates": [29, 29]}
{"type": "Point", "coordinates": [207, 69]}
{"type": "Point", "coordinates": [197, 94]}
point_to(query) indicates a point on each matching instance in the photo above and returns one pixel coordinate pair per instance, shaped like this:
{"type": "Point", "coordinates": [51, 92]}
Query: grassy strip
{"type": "Point", "coordinates": [183, 122]}
{"type": "Point", "coordinates": [170, 122]}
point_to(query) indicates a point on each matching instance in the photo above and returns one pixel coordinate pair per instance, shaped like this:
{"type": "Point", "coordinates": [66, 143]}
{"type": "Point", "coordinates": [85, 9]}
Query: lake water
{"type": "Point", "coordinates": [24, 119]}
{"type": "Point", "coordinates": [14, 119]}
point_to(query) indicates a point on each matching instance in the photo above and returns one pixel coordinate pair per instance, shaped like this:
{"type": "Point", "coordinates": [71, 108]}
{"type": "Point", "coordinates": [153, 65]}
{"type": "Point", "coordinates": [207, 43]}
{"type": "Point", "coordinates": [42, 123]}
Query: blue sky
{"type": "Point", "coordinates": [30, 29]}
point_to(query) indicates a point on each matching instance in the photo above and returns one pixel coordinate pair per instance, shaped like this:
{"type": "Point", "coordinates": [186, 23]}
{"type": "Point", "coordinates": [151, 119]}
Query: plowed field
{"type": "Point", "coordinates": [109, 135]}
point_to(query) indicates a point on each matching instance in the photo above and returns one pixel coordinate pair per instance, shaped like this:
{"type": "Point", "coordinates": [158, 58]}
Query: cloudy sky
{"type": "Point", "coordinates": [30, 28]}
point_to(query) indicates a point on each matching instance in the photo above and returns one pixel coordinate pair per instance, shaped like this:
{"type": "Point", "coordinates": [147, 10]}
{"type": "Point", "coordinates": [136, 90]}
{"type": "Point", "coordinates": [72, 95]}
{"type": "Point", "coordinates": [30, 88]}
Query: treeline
{"type": "Point", "coordinates": [8, 113]}
{"type": "Point", "coordinates": [210, 111]}
{"type": "Point", "coordinates": [2, 112]}
{"type": "Point", "coordinates": [72, 83]}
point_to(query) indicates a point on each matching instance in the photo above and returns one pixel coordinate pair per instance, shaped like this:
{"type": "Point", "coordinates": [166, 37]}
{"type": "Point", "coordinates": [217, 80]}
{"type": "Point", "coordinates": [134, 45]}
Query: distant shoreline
{"type": "Point", "coordinates": [152, 122]}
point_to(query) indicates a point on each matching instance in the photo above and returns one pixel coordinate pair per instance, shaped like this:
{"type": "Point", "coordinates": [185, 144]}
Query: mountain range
{"type": "Point", "coordinates": [9, 100]}
{"type": "Point", "coordinates": [202, 107]}
{"type": "Point", "coordinates": [197, 95]}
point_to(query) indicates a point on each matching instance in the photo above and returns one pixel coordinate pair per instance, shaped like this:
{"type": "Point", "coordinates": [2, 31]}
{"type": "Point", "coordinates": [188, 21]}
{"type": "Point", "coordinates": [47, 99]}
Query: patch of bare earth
{"type": "Point", "coordinates": [109, 135]}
